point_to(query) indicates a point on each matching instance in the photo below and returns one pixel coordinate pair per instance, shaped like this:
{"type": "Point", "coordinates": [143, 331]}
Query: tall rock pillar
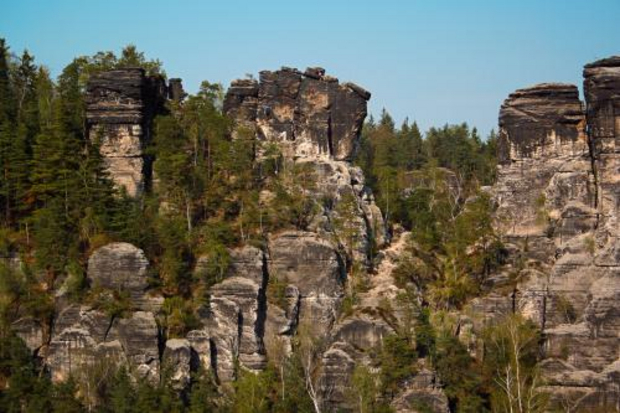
{"type": "Point", "coordinates": [120, 108]}
{"type": "Point", "coordinates": [602, 92]}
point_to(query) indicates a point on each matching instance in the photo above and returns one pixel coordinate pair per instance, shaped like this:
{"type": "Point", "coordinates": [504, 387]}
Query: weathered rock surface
{"type": "Point", "coordinates": [309, 114]}
{"type": "Point", "coordinates": [424, 393]}
{"type": "Point", "coordinates": [557, 192]}
{"type": "Point", "coordinates": [120, 106]}
{"type": "Point", "coordinates": [175, 90]}
{"type": "Point", "coordinates": [84, 339]}
{"type": "Point", "coordinates": [544, 162]}
{"type": "Point", "coordinates": [557, 196]}
{"type": "Point", "coordinates": [120, 266]}
{"type": "Point", "coordinates": [178, 358]}
{"type": "Point", "coordinates": [235, 320]}
{"type": "Point", "coordinates": [313, 266]}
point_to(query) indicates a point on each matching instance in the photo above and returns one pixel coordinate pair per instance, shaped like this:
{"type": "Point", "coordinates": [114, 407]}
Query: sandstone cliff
{"type": "Point", "coordinates": [557, 210]}
{"type": "Point", "coordinates": [121, 105]}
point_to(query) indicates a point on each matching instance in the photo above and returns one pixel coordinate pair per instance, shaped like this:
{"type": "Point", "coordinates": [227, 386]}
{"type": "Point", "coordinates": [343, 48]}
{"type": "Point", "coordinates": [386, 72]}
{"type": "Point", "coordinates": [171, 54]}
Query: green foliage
{"type": "Point", "coordinates": [566, 309]}
{"type": "Point", "coordinates": [512, 360]}
{"type": "Point", "coordinates": [204, 393]}
{"type": "Point", "coordinates": [398, 359]}
{"type": "Point", "coordinates": [57, 204]}
{"type": "Point", "coordinates": [388, 157]}
{"type": "Point", "coordinates": [276, 292]}
{"type": "Point", "coordinates": [453, 246]}
{"type": "Point", "coordinates": [460, 375]}
{"type": "Point", "coordinates": [21, 388]}
{"type": "Point", "coordinates": [21, 294]}
{"type": "Point", "coordinates": [365, 392]}
{"type": "Point", "coordinates": [252, 392]}
{"type": "Point", "coordinates": [178, 317]}
{"type": "Point", "coordinates": [425, 337]}
{"type": "Point", "coordinates": [114, 303]}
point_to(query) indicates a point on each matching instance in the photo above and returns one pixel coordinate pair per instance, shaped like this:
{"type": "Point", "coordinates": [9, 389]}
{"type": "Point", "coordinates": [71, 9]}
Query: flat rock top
{"type": "Point", "coordinates": [612, 61]}
{"type": "Point", "coordinates": [553, 91]}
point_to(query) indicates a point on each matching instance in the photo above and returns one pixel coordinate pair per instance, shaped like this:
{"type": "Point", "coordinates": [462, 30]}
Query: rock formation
{"type": "Point", "coordinates": [557, 207]}
{"type": "Point", "coordinates": [557, 197]}
{"type": "Point", "coordinates": [85, 336]}
{"type": "Point", "coordinates": [316, 121]}
{"type": "Point", "coordinates": [311, 114]}
{"type": "Point", "coordinates": [120, 107]}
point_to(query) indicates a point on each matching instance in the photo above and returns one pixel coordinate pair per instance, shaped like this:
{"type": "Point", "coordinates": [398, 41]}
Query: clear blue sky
{"type": "Point", "coordinates": [435, 61]}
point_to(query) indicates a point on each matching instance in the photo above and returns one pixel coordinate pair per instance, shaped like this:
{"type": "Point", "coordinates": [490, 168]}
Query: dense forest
{"type": "Point", "coordinates": [58, 204]}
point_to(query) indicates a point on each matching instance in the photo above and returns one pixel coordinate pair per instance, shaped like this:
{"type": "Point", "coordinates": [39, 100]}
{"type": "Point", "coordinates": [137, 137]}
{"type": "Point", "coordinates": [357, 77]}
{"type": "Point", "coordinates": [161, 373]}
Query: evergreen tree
{"type": "Point", "coordinates": [7, 135]}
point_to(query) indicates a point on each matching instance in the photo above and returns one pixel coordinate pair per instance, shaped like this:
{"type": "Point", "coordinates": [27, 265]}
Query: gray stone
{"type": "Point", "coordinates": [120, 266]}
{"type": "Point", "coordinates": [177, 358]}
{"type": "Point", "coordinates": [120, 106]}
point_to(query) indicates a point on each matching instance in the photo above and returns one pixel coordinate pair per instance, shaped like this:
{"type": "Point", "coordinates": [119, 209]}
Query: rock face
{"type": "Point", "coordinates": [120, 107]}
{"type": "Point", "coordinates": [178, 358]}
{"type": "Point", "coordinates": [316, 122]}
{"type": "Point", "coordinates": [84, 339]}
{"type": "Point", "coordinates": [310, 114]}
{"type": "Point", "coordinates": [120, 266]}
{"type": "Point", "coordinates": [602, 90]}
{"type": "Point", "coordinates": [557, 196]}
{"type": "Point", "coordinates": [544, 163]}
{"type": "Point", "coordinates": [234, 322]}
{"type": "Point", "coordinates": [313, 267]}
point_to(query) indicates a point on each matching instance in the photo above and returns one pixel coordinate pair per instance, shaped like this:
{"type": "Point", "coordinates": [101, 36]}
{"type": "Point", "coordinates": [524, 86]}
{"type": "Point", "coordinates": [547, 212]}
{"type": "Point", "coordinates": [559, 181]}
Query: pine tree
{"type": "Point", "coordinates": [7, 130]}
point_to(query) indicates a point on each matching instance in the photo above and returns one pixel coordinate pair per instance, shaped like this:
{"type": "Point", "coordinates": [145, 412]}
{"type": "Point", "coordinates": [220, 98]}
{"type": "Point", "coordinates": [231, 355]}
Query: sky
{"type": "Point", "coordinates": [432, 61]}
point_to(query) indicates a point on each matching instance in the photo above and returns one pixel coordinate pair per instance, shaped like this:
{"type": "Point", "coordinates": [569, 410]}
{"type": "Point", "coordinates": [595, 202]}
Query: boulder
{"type": "Point", "coordinates": [121, 266]}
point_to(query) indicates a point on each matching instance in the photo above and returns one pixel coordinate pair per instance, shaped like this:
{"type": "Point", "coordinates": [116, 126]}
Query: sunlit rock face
{"type": "Point", "coordinates": [84, 337]}
{"type": "Point", "coordinates": [602, 91]}
{"type": "Point", "coordinates": [120, 106]}
{"type": "Point", "coordinates": [557, 196]}
{"type": "Point", "coordinates": [544, 162]}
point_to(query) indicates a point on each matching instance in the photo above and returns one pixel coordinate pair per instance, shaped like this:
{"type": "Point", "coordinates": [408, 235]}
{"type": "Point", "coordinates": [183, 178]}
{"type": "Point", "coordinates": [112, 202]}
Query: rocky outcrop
{"type": "Point", "coordinates": [315, 122]}
{"type": "Point", "coordinates": [176, 92]}
{"type": "Point", "coordinates": [314, 269]}
{"type": "Point", "coordinates": [544, 164]}
{"type": "Point", "coordinates": [309, 114]}
{"type": "Point", "coordinates": [602, 90]}
{"type": "Point", "coordinates": [234, 322]}
{"type": "Point", "coordinates": [120, 106]}
{"type": "Point", "coordinates": [177, 359]}
{"type": "Point", "coordinates": [424, 393]}
{"type": "Point", "coordinates": [557, 198]}
{"type": "Point", "coordinates": [120, 266]}
{"type": "Point", "coordinates": [84, 337]}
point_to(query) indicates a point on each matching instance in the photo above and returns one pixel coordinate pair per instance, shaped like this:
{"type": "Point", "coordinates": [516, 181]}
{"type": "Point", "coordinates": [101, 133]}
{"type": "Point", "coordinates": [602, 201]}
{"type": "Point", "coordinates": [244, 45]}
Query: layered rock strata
{"type": "Point", "coordinates": [557, 207]}
{"type": "Point", "coordinates": [310, 114]}
{"type": "Point", "coordinates": [120, 106]}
